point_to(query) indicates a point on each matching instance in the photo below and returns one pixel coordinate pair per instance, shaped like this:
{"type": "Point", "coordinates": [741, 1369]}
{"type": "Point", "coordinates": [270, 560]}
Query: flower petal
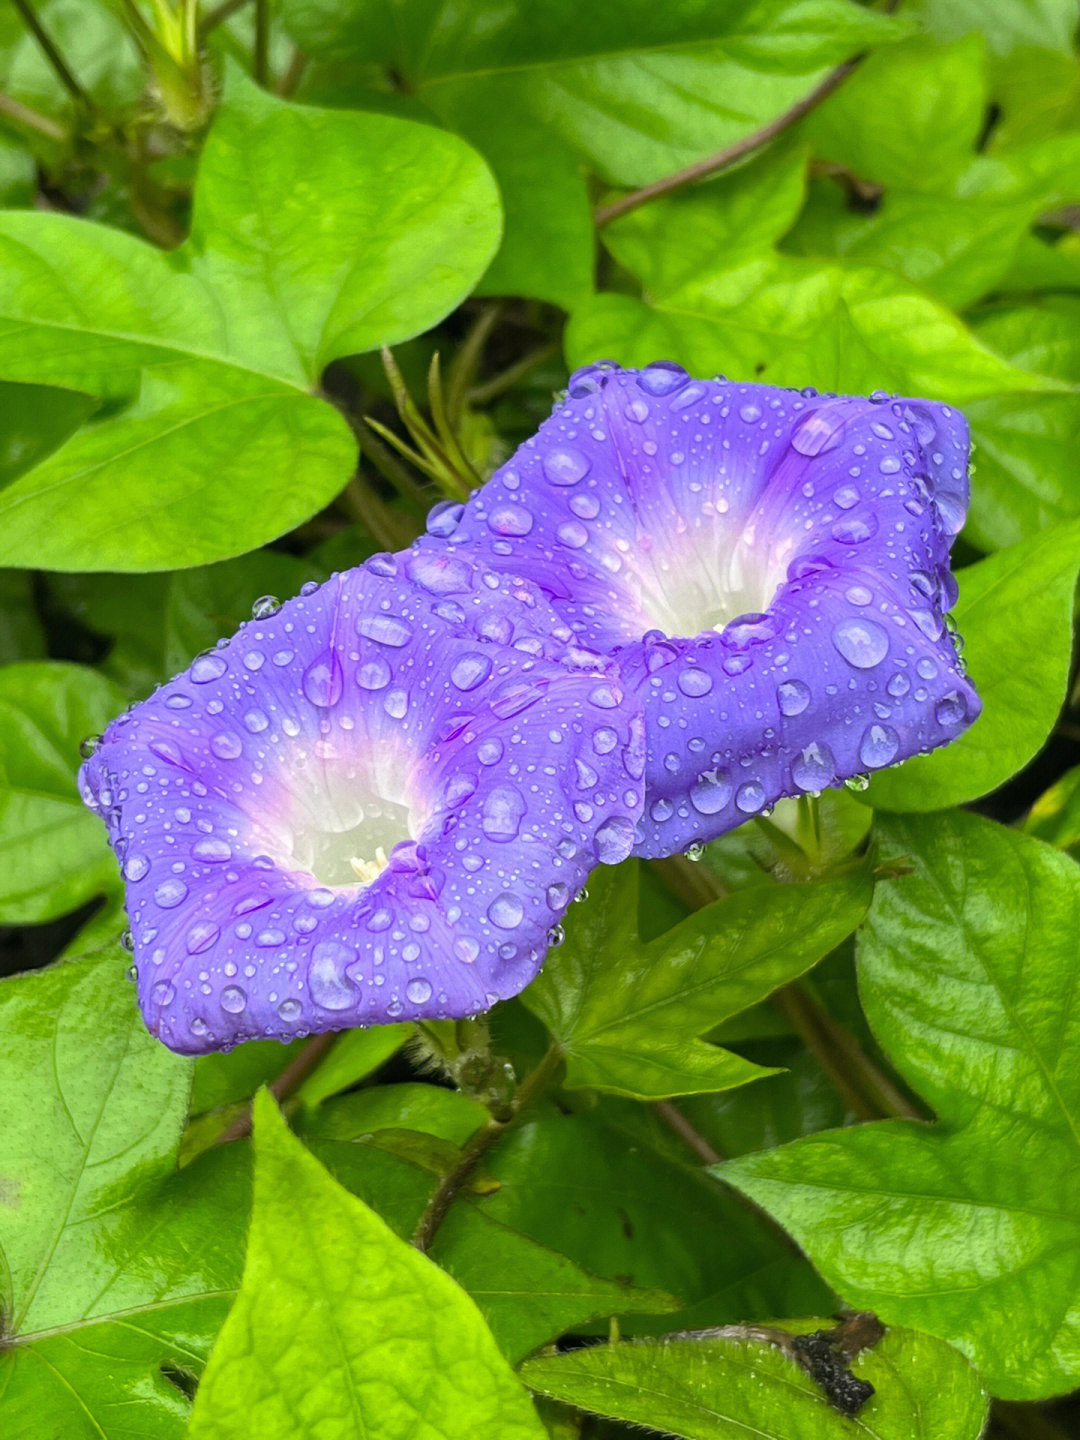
{"type": "Point", "coordinates": [372, 805]}
{"type": "Point", "coordinates": [712, 537]}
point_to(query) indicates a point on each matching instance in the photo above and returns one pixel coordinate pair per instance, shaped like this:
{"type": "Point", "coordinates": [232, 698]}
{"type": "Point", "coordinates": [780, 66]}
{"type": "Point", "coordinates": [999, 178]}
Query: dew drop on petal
{"type": "Point", "coordinates": [814, 768]}
{"type": "Point", "coordinates": [135, 867]}
{"type": "Point", "coordinates": [206, 667]}
{"type": "Point", "coordinates": [330, 988]}
{"type": "Point", "coordinates": [226, 746]}
{"type": "Point", "coordinates": [418, 990]}
{"type": "Point", "coordinates": [565, 465]}
{"type": "Point", "coordinates": [694, 682]}
{"type": "Point", "coordinates": [213, 850]}
{"type": "Point", "coordinates": [200, 937]}
{"type": "Point", "coordinates": [793, 696]}
{"type": "Point", "coordinates": [390, 630]}
{"type": "Point", "coordinates": [710, 792]}
{"type": "Point", "coordinates": [750, 798]}
{"type": "Point", "coordinates": [265, 606]}
{"type": "Point", "coordinates": [233, 999]}
{"type": "Point", "coordinates": [170, 893]}
{"type": "Point", "coordinates": [322, 682]}
{"type": "Point", "coordinates": [506, 911]}
{"type": "Point", "coordinates": [862, 643]}
{"type": "Point", "coordinates": [470, 671]}
{"type": "Point", "coordinates": [879, 746]}
{"type": "Point", "coordinates": [662, 377]}
{"type": "Point", "coordinates": [614, 840]}
{"type": "Point", "coordinates": [502, 813]}
{"type": "Point", "coordinates": [951, 710]}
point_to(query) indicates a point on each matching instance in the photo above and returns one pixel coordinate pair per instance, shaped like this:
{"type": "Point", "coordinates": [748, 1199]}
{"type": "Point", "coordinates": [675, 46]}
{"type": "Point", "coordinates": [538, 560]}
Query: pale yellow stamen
{"type": "Point", "coordinates": [369, 870]}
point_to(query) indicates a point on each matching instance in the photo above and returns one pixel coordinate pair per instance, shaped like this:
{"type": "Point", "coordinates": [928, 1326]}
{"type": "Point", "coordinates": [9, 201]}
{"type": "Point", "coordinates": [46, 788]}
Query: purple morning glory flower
{"type": "Point", "coordinates": [769, 568]}
{"type": "Point", "coordinates": [371, 805]}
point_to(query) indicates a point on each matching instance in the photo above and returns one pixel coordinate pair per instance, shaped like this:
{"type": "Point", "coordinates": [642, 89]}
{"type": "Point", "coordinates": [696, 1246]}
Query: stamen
{"type": "Point", "coordinates": [369, 870]}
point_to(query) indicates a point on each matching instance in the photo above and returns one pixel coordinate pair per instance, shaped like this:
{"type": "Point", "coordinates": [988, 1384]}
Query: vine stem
{"type": "Point", "coordinates": [731, 154]}
{"type": "Point", "coordinates": [860, 1083]}
{"type": "Point", "coordinates": [28, 119]}
{"type": "Point", "coordinates": [479, 1144]}
{"type": "Point", "coordinates": [52, 54]}
{"type": "Point", "coordinates": [287, 1083]}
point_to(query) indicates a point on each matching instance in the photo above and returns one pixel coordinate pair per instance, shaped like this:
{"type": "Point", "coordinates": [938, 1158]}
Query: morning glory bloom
{"type": "Point", "coordinates": [373, 804]}
{"type": "Point", "coordinates": [769, 568]}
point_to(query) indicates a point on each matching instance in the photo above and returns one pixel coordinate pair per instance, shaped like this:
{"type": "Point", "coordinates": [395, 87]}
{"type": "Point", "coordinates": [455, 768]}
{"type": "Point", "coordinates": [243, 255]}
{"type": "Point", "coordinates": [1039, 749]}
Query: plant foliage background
{"type": "Point", "coordinates": [836, 1062]}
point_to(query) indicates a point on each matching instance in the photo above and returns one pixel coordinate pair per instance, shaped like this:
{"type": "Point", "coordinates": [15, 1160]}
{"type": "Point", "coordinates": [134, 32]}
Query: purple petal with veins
{"type": "Point", "coordinates": [769, 568]}
{"type": "Point", "coordinates": [372, 805]}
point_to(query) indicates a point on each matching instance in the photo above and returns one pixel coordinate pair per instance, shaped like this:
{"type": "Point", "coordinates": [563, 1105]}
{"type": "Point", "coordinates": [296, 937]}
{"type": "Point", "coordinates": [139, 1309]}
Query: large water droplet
{"type": "Point", "coordinates": [322, 682]}
{"type": "Point", "coordinates": [233, 999]}
{"type": "Point", "coordinates": [265, 606]}
{"type": "Point", "coordinates": [226, 746]}
{"type": "Point", "coordinates": [662, 377]}
{"type": "Point", "coordinates": [502, 813]}
{"type": "Point", "coordinates": [391, 630]}
{"type": "Point", "coordinates": [330, 987]}
{"type": "Point", "coordinates": [793, 696]}
{"type": "Point", "coordinates": [817, 433]}
{"type": "Point", "coordinates": [572, 534]}
{"type": "Point", "coordinates": [694, 682]}
{"type": "Point", "coordinates": [135, 867]}
{"type": "Point", "coordinates": [170, 893]}
{"type": "Point", "coordinates": [373, 674]}
{"type": "Point", "coordinates": [565, 465]}
{"type": "Point", "coordinates": [750, 798]}
{"type": "Point", "coordinates": [862, 643]}
{"type": "Point", "coordinates": [200, 937]}
{"type": "Point", "coordinates": [470, 670]}
{"type": "Point", "coordinates": [951, 710]}
{"type": "Point", "coordinates": [444, 518]}
{"type": "Point", "coordinates": [418, 990]}
{"type": "Point", "coordinates": [814, 768]}
{"type": "Point", "coordinates": [710, 792]}
{"type": "Point", "coordinates": [879, 746]}
{"type": "Point", "coordinates": [506, 911]}
{"type": "Point", "coordinates": [213, 850]}
{"type": "Point", "coordinates": [614, 840]}
{"type": "Point", "coordinates": [510, 520]}
{"type": "Point", "coordinates": [206, 667]}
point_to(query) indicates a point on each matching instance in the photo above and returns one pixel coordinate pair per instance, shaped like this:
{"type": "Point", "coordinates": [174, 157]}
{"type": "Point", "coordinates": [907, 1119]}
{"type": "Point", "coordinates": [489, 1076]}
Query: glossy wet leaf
{"type": "Point", "coordinates": [314, 235]}
{"type": "Point", "coordinates": [969, 1228]}
{"type": "Point", "coordinates": [1015, 614]}
{"type": "Point", "coordinates": [724, 1389]}
{"type": "Point", "coordinates": [403, 1350]}
{"type": "Point", "coordinates": [1055, 816]}
{"type": "Point", "coordinates": [548, 91]}
{"type": "Point", "coordinates": [107, 1255]}
{"type": "Point", "coordinates": [628, 1014]}
{"type": "Point", "coordinates": [54, 855]}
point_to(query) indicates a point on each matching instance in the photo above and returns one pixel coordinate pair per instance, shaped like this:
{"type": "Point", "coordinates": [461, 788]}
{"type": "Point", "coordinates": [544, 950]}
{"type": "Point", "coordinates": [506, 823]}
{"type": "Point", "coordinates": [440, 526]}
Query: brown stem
{"type": "Point", "coordinates": [467, 360]}
{"type": "Point", "coordinates": [731, 154]}
{"type": "Point", "coordinates": [287, 1083]}
{"type": "Point", "coordinates": [261, 57]}
{"type": "Point", "coordinates": [360, 503]}
{"type": "Point", "coordinates": [220, 14]}
{"type": "Point", "coordinates": [286, 86]}
{"type": "Point", "coordinates": [691, 882]}
{"type": "Point", "coordinates": [52, 54]}
{"type": "Point", "coordinates": [478, 1145]}
{"type": "Point", "coordinates": [491, 389]}
{"type": "Point", "coordinates": [693, 1139]}
{"type": "Point", "coordinates": [22, 115]}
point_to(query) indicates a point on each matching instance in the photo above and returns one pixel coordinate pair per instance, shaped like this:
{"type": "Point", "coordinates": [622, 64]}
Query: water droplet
{"type": "Point", "coordinates": [710, 792]}
{"type": "Point", "coordinates": [213, 850]}
{"type": "Point", "coordinates": [879, 746]}
{"type": "Point", "coordinates": [854, 529]}
{"type": "Point", "coordinates": [572, 534]}
{"type": "Point", "coordinates": [506, 911]}
{"type": "Point", "coordinates": [330, 987]}
{"type": "Point", "coordinates": [270, 937]}
{"type": "Point", "coordinates": [694, 682]}
{"type": "Point", "coordinates": [951, 710]}
{"type": "Point", "coordinates": [510, 520]}
{"type": "Point", "coordinates": [862, 643]}
{"type": "Point", "coordinates": [694, 851]}
{"type": "Point", "coordinates": [889, 464]}
{"type": "Point", "coordinates": [847, 497]}
{"type": "Point", "coordinates": [206, 667]}
{"type": "Point", "coordinates": [200, 937]}
{"type": "Point", "coordinates": [614, 840]}
{"type": "Point", "coordinates": [814, 768]}
{"type": "Point", "coordinates": [565, 465]}
{"type": "Point", "coordinates": [418, 990]}
{"type": "Point", "coordinates": [817, 433]}
{"type": "Point", "coordinates": [858, 783]}
{"type": "Point", "coordinates": [662, 377]}
{"type": "Point", "coordinates": [233, 999]}
{"type": "Point", "coordinates": [396, 704]}
{"type": "Point", "coordinates": [750, 798]}
{"type": "Point", "coordinates": [265, 606]}
{"type": "Point", "coordinates": [289, 1011]}
{"type": "Point", "coordinates": [502, 813]}
{"type": "Point", "coordinates": [558, 895]}
{"type": "Point", "coordinates": [490, 751]}
{"type": "Point", "coordinates": [322, 682]}
{"type": "Point", "coordinates": [793, 696]}
{"type": "Point", "coordinates": [226, 746]}
{"type": "Point", "coordinates": [390, 630]}
{"type": "Point", "coordinates": [470, 671]}
{"type": "Point", "coordinates": [860, 595]}
{"type": "Point", "coordinates": [170, 893]}
{"type": "Point", "coordinates": [163, 993]}
{"type": "Point", "coordinates": [444, 518]}
{"type": "Point", "coordinates": [135, 867]}
{"type": "Point", "coordinates": [749, 412]}
{"type": "Point", "coordinates": [127, 941]}
{"type": "Point", "coordinates": [89, 746]}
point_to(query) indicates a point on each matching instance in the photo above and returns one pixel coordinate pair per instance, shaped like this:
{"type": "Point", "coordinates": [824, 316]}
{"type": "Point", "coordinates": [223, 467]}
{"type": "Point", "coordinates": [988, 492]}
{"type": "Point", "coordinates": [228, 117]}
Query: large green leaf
{"type": "Point", "coordinates": [969, 1229]}
{"type": "Point", "coordinates": [113, 1269]}
{"type": "Point", "coordinates": [53, 850]}
{"type": "Point", "coordinates": [314, 235]}
{"type": "Point", "coordinates": [401, 1349]}
{"type": "Point", "coordinates": [547, 90]}
{"type": "Point", "coordinates": [739, 1389]}
{"type": "Point", "coordinates": [628, 1013]}
{"type": "Point", "coordinates": [1015, 613]}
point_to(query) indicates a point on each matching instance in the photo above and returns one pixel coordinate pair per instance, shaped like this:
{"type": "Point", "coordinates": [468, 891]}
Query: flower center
{"type": "Point", "coordinates": [347, 812]}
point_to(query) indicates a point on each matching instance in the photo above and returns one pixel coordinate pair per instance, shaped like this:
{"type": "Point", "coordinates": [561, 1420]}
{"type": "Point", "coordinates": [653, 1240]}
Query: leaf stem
{"type": "Point", "coordinates": [287, 1083]}
{"type": "Point", "coordinates": [52, 54]}
{"type": "Point", "coordinates": [673, 1117]}
{"type": "Point", "coordinates": [490, 389]}
{"type": "Point", "coordinates": [261, 58]}
{"type": "Point", "coordinates": [467, 360]}
{"type": "Point", "coordinates": [21, 115]}
{"type": "Point", "coordinates": [478, 1145]}
{"type": "Point", "coordinates": [731, 154]}
{"type": "Point", "coordinates": [220, 14]}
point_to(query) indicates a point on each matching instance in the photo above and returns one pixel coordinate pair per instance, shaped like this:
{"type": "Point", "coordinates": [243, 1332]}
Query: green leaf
{"type": "Point", "coordinates": [597, 1189]}
{"type": "Point", "coordinates": [21, 633]}
{"type": "Point", "coordinates": [735, 1389]}
{"type": "Point", "coordinates": [34, 420]}
{"type": "Point", "coordinates": [547, 91]}
{"type": "Point", "coordinates": [969, 1229]}
{"type": "Point", "coordinates": [1055, 816]}
{"type": "Point", "coordinates": [402, 1350]}
{"type": "Point", "coordinates": [113, 1269]}
{"type": "Point", "coordinates": [354, 1055]}
{"type": "Point", "coordinates": [54, 852]}
{"type": "Point", "coordinates": [314, 235]}
{"type": "Point", "coordinates": [223, 1079]}
{"type": "Point", "coordinates": [1005, 25]}
{"type": "Point", "coordinates": [628, 1013]}
{"type": "Point", "coordinates": [1015, 612]}
{"type": "Point", "coordinates": [909, 117]}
